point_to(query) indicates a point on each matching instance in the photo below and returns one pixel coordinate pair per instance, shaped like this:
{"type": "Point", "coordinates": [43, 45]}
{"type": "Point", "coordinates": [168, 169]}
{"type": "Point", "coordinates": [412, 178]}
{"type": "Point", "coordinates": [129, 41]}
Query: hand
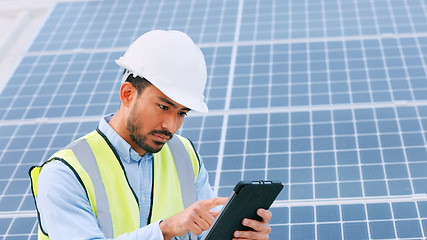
{"type": "Point", "coordinates": [261, 229]}
{"type": "Point", "coordinates": [196, 218]}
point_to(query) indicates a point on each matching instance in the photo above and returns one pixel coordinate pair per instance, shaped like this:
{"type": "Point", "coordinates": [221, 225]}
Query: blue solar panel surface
{"type": "Point", "coordinates": [327, 96]}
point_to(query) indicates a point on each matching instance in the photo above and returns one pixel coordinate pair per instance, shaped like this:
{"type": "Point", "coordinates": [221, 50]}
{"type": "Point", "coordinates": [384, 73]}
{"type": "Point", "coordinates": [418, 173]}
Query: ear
{"type": "Point", "coordinates": [127, 94]}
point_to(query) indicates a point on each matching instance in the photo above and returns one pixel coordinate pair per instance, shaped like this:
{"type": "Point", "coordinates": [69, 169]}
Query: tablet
{"type": "Point", "coordinates": [246, 199]}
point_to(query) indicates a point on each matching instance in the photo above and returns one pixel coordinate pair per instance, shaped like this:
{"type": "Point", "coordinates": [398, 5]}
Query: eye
{"type": "Point", "coordinates": [182, 114]}
{"type": "Point", "coordinates": [163, 107]}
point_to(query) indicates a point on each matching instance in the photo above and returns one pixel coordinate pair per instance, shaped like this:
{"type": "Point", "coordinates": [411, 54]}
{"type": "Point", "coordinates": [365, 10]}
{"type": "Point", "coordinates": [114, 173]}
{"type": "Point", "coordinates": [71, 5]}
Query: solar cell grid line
{"type": "Point", "coordinates": [157, 12]}
{"type": "Point", "coordinates": [218, 60]}
{"type": "Point", "coordinates": [282, 32]}
{"type": "Point", "coordinates": [357, 147]}
{"type": "Point", "coordinates": [191, 10]}
{"type": "Point", "coordinates": [14, 192]}
{"type": "Point", "coordinates": [211, 63]}
{"type": "Point", "coordinates": [270, 80]}
{"type": "Point", "coordinates": [63, 93]}
{"type": "Point", "coordinates": [377, 25]}
{"type": "Point", "coordinates": [327, 63]}
{"type": "Point", "coordinates": [11, 98]}
{"type": "Point", "coordinates": [228, 99]}
{"type": "Point", "coordinates": [347, 67]}
{"type": "Point", "coordinates": [412, 93]}
{"type": "Point", "coordinates": [45, 27]}
{"type": "Point", "coordinates": [53, 24]}
{"type": "Point", "coordinates": [74, 25]}
{"type": "Point", "coordinates": [113, 101]}
{"type": "Point", "coordinates": [414, 12]}
{"type": "Point", "coordinates": [274, 5]}
{"type": "Point", "coordinates": [88, 38]}
{"type": "Point", "coordinates": [406, 157]}
{"type": "Point", "coordinates": [97, 82]}
{"type": "Point", "coordinates": [373, 222]}
{"type": "Point", "coordinates": [205, 12]}
{"type": "Point", "coordinates": [422, 14]}
{"type": "Point", "coordinates": [312, 166]}
{"type": "Point", "coordinates": [95, 9]}
{"type": "Point", "coordinates": [50, 103]}
{"type": "Point", "coordinates": [18, 228]}
{"type": "Point", "coordinates": [94, 27]}
{"type": "Point", "coordinates": [309, 27]}
{"type": "Point", "coordinates": [244, 150]}
{"type": "Point", "coordinates": [108, 34]}
{"type": "Point", "coordinates": [17, 109]}
{"type": "Point", "coordinates": [256, 20]}
{"type": "Point", "coordinates": [376, 126]}
{"type": "Point", "coordinates": [174, 15]}
{"type": "Point", "coordinates": [383, 58]}
{"type": "Point", "coordinates": [227, 23]}
{"type": "Point", "coordinates": [421, 214]}
{"type": "Point", "coordinates": [330, 13]}
{"type": "Point", "coordinates": [12, 111]}
{"type": "Point", "coordinates": [366, 66]}
{"type": "Point", "coordinates": [322, 21]}
{"type": "Point", "coordinates": [13, 135]}
{"type": "Point", "coordinates": [143, 20]}
{"type": "Point", "coordinates": [66, 12]}
{"type": "Point", "coordinates": [129, 20]}
{"type": "Point", "coordinates": [408, 74]}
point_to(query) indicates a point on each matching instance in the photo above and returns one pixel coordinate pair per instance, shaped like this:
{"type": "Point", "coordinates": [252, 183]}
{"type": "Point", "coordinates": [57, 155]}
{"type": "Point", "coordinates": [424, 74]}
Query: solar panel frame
{"type": "Point", "coordinates": [329, 97]}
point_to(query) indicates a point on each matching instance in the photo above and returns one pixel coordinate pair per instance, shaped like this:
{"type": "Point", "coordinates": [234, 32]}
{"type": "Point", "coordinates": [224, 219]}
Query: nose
{"type": "Point", "coordinates": [170, 123]}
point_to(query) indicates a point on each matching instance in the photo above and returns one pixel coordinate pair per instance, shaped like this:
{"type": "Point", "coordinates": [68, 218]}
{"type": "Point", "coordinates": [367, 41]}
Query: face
{"type": "Point", "coordinates": [154, 118]}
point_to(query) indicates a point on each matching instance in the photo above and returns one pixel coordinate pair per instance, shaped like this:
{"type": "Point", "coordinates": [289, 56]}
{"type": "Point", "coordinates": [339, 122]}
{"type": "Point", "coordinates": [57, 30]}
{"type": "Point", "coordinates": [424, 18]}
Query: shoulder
{"type": "Point", "coordinates": [57, 176]}
{"type": "Point", "coordinates": [55, 168]}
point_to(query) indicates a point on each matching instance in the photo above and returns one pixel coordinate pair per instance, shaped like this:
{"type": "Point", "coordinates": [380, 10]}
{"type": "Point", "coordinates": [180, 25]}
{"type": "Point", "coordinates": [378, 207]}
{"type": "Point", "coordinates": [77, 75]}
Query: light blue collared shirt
{"type": "Point", "coordinates": [65, 211]}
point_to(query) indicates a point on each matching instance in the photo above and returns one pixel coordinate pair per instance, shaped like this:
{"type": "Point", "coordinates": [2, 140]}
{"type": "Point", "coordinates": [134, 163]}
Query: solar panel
{"type": "Point", "coordinates": [327, 96]}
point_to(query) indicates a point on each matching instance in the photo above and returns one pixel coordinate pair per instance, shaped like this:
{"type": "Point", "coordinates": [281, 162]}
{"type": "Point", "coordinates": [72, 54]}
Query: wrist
{"type": "Point", "coordinates": [164, 227]}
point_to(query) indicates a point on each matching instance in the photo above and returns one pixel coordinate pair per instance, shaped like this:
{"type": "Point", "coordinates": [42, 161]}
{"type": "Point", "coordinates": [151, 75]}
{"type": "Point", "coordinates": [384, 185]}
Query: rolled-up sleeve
{"type": "Point", "coordinates": [203, 188]}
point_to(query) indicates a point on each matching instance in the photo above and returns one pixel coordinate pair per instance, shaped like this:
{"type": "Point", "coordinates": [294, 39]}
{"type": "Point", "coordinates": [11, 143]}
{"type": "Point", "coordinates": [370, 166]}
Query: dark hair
{"type": "Point", "coordinates": [138, 82]}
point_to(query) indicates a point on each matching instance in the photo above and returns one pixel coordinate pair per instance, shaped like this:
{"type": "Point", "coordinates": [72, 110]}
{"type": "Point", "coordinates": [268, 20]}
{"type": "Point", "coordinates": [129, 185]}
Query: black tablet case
{"type": "Point", "coordinates": [245, 200]}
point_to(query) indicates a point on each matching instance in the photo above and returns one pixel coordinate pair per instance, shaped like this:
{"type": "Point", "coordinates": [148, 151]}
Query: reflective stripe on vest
{"type": "Point", "coordinates": [112, 200]}
{"type": "Point", "coordinates": [84, 155]}
{"type": "Point", "coordinates": [185, 171]}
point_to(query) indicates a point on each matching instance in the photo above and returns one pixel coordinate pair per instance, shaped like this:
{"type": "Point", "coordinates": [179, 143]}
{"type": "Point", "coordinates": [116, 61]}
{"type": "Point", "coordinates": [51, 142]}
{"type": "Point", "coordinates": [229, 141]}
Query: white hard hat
{"type": "Point", "coordinates": [173, 63]}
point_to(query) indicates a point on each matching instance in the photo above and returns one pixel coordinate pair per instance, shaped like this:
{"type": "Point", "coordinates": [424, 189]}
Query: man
{"type": "Point", "coordinates": [129, 178]}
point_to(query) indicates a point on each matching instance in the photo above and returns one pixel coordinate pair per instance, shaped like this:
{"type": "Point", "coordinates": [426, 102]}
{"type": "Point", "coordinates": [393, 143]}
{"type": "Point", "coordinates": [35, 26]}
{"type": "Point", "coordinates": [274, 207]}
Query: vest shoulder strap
{"type": "Point", "coordinates": [85, 156]}
{"type": "Point", "coordinates": [184, 168]}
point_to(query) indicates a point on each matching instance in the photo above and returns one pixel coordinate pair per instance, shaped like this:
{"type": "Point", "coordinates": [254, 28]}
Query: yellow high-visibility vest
{"type": "Point", "coordinates": [111, 197]}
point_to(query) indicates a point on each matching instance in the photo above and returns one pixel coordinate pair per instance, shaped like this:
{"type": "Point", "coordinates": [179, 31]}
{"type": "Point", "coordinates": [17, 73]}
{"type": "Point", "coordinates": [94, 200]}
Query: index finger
{"type": "Point", "coordinates": [265, 214]}
{"type": "Point", "coordinates": [213, 202]}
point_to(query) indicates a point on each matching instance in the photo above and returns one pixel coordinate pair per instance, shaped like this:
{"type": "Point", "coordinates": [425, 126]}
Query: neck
{"type": "Point", "coordinates": [118, 123]}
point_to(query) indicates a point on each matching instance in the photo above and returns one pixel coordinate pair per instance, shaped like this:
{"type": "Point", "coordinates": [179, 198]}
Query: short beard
{"type": "Point", "coordinates": [140, 140]}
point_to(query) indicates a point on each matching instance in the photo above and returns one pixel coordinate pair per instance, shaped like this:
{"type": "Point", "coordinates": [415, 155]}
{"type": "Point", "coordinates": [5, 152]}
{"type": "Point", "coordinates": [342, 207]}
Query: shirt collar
{"type": "Point", "coordinates": [123, 148]}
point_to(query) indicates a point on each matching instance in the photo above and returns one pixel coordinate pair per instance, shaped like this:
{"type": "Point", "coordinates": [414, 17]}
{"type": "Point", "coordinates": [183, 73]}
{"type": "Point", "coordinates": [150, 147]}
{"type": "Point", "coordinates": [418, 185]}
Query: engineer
{"type": "Point", "coordinates": [132, 178]}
